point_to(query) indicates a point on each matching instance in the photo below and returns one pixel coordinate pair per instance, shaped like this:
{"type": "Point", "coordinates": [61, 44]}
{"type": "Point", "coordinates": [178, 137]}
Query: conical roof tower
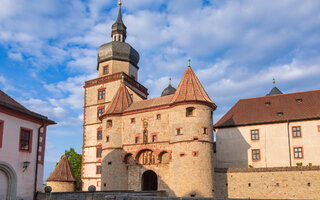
{"type": "Point", "coordinates": [62, 172]}
{"type": "Point", "coordinates": [190, 89]}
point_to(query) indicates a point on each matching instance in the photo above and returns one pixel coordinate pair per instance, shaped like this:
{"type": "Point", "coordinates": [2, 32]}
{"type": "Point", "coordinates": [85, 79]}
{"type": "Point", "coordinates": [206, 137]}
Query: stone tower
{"type": "Point", "coordinates": [117, 63]}
{"type": "Point", "coordinates": [134, 143]}
{"type": "Point", "coordinates": [164, 143]}
{"type": "Point", "coordinates": [62, 179]}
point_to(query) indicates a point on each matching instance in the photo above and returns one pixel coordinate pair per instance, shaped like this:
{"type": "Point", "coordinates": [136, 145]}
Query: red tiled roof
{"type": "Point", "coordinates": [8, 102]}
{"type": "Point", "coordinates": [62, 172]}
{"type": "Point", "coordinates": [120, 101]}
{"type": "Point", "coordinates": [149, 103]}
{"type": "Point", "coordinates": [281, 108]}
{"type": "Point", "coordinates": [190, 89]}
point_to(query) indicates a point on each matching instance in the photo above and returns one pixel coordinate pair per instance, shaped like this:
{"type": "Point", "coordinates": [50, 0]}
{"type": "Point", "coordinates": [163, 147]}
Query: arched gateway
{"type": "Point", "coordinates": [149, 181]}
{"type": "Point", "coordinates": [8, 182]}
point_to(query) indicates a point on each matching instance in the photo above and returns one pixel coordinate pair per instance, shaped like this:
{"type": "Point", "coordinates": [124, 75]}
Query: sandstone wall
{"type": "Point", "coordinates": [268, 183]}
{"type": "Point", "coordinates": [59, 186]}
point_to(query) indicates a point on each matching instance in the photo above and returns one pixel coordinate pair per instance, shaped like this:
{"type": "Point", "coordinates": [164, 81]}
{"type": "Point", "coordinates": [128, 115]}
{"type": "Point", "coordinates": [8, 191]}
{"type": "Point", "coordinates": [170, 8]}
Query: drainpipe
{"type": "Point", "coordinates": [288, 128]}
{"type": "Point", "coordinates": [37, 159]}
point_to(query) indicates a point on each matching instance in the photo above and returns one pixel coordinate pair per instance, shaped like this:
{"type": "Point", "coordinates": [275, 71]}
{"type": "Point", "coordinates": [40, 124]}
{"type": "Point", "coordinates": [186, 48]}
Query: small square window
{"type": "Point", "coordinates": [179, 131]}
{"type": "Point", "coordinates": [298, 152]}
{"type": "Point", "coordinates": [158, 116]}
{"type": "Point", "coordinates": [255, 134]}
{"type": "Point", "coordinates": [101, 94]}
{"type": "Point", "coordinates": [132, 120]}
{"type": "Point", "coordinates": [296, 131]}
{"type": "Point", "coordinates": [205, 130]}
{"type": "Point", "coordinates": [256, 154]}
{"type": "Point", "coordinates": [189, 111]}
{"type": "Point", "coordinates": [100, 111]}
{"type": "Point", "coordinates": [99, 152]}
{"type": "Point", "coordinates": [109, 163]}
{"type": "Point", "coordinates": [154, 138]}
{"type": "Point", "coordinates": [99, 135]}
{"type": "Point", "coordinates": [98, 169]}
{"type": "Point", "coordinates": [107, 138]}
{"type": "Point", "coordinates": [109, 123]}
{"type": "Point", "coordinates": [106, 69]}
{"type": "Point", "coordinates": [182, 154]}
{"type": "Point", "coordinates": [25, 140]}
{"type": "Point", "coordinates": [136, 140]}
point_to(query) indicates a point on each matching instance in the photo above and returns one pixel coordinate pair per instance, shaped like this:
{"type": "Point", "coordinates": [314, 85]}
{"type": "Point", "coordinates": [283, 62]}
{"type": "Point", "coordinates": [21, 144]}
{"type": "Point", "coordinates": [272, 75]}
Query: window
{"type": "Point", "coordinates": [131, 96]}
{"type": "Point", "coordinates": [98, 171]}
{"type": "Point", "coordinates": [133, 120]}
{"type": "Point", "coordinates": [296, 131]}
{"type": "Point", "coordinates": [154, 138]}
{"type": "Point", "coordinates": [189, 111]}
{"type": "Point", "coordinates": [255, 154]}
{"type": "Point", "coordinates": [25, 140]}
{"type": "Point", "coordinates": [195, 153]}
{"type": "Point", "coordinates": [255, 134]}
{"type": "Point", "coordinates": [298, 152]}
{"type": "Point", "coordinates": [107, 138]}
{"type": "Point", "coordinates": [109, 123]}
{"type": "Point", "coordinates": [136, 140]}
{"type": "Point", "coordinates": [106, 69]}
{"type": "Point", "coordinates": [205, 130]}
{"type": "Point", "coordinates": [158, 116]}
{"type": "Point", "coordinates": [1, 132]}
{"type": "Point", "coordinates": [182, 154]}
{"type": "Point", "coordinates": [267, 103]}
{"type": "Point", "coordinates": [179, 131]}
{"type": "Point", "coordinates": [298, 100]}
{"type": "Point", "coordinates": [99, 135]}
{"type": "Point", "coordinates": [101, 94]}
{"type": "Point", "coordinates": [99, 152]}
{"type": "Point", "coordinates": [100, 111]}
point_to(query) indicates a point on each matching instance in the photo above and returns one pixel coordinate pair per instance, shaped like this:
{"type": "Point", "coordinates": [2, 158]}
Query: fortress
{"type": "Point", "coordinates": [166, 143]}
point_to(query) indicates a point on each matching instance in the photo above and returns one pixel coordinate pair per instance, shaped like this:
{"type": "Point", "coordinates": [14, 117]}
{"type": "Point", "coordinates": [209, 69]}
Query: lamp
{"type": "Point", "coordinates": [25, 165]}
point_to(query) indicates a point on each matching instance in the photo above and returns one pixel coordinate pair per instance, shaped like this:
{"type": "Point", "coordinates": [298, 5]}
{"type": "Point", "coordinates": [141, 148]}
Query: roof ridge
{"type": "Point", "coordinates": [271, 96]}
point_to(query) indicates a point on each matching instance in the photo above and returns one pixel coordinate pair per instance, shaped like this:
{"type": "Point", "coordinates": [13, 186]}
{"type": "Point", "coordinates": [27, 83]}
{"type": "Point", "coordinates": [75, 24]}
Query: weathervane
{"type": "Point", "coordinates": [274, 82]}
{"type": "Point", "coordinates": [189, 60]}
{"type": "Point", "coordinates": [169, 80]}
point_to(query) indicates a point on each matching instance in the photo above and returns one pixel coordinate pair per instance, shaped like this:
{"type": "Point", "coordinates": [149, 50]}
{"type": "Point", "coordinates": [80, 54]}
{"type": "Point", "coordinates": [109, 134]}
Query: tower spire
{"type": "Point", "coordinates": [119, 30]}
{"type": "Point", "coordinates": [274, 82]}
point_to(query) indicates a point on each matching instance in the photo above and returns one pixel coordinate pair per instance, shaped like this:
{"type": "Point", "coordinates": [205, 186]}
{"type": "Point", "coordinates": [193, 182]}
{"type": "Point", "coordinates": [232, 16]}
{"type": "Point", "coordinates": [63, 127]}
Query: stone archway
{"type": "Point", "coordinates": [149, 181]}
{"type": "Point", "coordinates": [9, 178]}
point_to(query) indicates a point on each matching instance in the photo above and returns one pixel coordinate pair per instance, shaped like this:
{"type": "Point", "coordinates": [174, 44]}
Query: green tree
{"type": "Point", "coordinates": [75, 163]}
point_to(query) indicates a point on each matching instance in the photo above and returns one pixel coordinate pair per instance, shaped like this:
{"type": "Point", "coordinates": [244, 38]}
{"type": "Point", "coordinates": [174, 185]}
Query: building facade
{"type": "Point", "coordinates": [22, 147]}
{"type": "Point", "coordinates": [134, 143]}
{"type": "Point", "coordinates": [277, 130]}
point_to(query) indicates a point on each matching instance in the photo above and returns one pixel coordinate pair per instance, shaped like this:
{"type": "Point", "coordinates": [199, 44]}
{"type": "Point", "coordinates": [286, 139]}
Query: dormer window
{"type": "Point", "coordinates": [267, 103]}
{"type": "Point", "coordinates": [299, 100]}
{"type": "Point", "coordinates": [189, 111]}
{"type": "Point", "coordinates": [106, 69]}
{"type": "Point", "coordinates": [280, 114]}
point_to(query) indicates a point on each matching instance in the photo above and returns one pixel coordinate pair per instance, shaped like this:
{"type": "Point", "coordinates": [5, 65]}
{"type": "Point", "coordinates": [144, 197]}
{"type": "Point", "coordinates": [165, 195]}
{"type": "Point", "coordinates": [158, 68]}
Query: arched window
{"type": "Point", "coordinates": [129, 160]}
{"type": "Point", "coordinates": [190, 111]}
{"type": "Point", "coordinates": [146, 157]}
{"type": "Point", "coordinates": [164, 157]}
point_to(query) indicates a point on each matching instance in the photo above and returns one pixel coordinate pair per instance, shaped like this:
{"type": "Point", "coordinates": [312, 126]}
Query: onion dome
{"type": "Point", "coordinates": [168, 90]}
{"type": "Point", "coordinates": [118, 49]}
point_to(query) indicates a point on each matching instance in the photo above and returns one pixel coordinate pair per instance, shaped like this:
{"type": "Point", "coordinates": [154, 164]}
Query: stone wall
{"type": "Point", "coordinates": [278, 182]}
{"type": "Point", "coordinates": [60, 186]}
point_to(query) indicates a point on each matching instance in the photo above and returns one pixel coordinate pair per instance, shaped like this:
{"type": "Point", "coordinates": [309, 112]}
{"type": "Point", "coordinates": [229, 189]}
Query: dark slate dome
{"type": "Point", "coordinates": [118, 51]}
{"type": "Point", "coordinates": [167, 91]}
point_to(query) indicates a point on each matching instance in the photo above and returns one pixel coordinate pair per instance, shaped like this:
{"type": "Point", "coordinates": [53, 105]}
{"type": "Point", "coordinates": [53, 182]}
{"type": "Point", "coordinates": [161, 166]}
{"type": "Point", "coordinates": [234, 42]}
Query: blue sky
{"type": "Point", "coordinates": [48, 48]}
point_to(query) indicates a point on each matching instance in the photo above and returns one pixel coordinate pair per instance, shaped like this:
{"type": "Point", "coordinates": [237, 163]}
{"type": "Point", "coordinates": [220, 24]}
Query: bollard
{"type": "Point", "coordinates": [48, 190]}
